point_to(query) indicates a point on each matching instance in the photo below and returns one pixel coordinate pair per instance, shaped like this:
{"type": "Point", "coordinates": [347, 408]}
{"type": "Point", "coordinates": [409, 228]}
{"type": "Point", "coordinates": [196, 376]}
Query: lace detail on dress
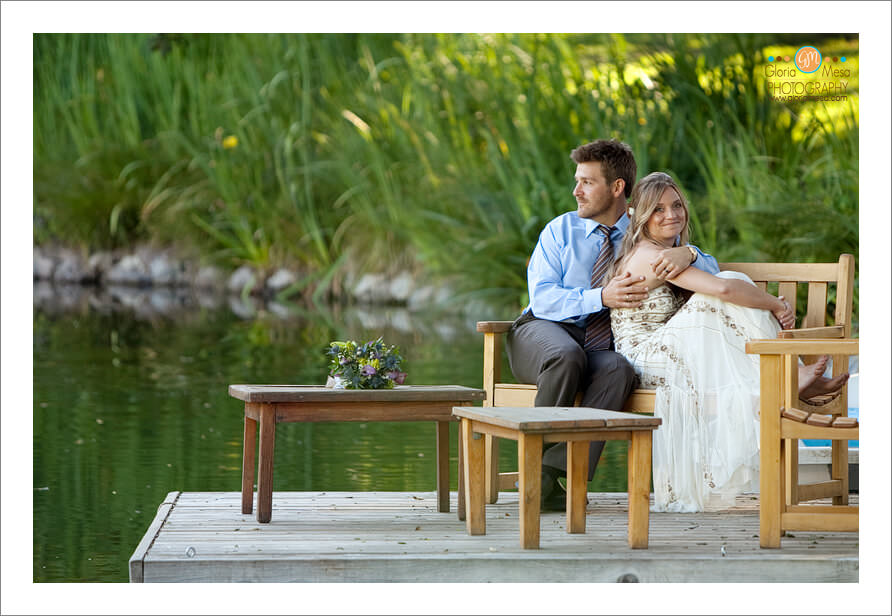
{"type": "Point", "coordinates": [698, 305]}
{"type": "Point", "coordinates": [707, 391]}
{"type": "Point", "coordinates": [634, 326]}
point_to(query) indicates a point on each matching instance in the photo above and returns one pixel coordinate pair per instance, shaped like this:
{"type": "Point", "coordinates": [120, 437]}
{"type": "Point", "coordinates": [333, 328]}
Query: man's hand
{"type": "Point", "coordinates": [623, 291]}
{"type": "Point", "coordinates": [670, 262]}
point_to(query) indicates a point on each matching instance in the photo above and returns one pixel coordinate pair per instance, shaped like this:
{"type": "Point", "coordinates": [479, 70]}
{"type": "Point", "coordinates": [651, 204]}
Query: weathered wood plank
{"type": "Point", "coordinates": [310, 393]}
{"type": "Point", "coordinates": [399, 536]}
{"type": "Point", "coordinates": [778, 272]}
{"type": "Point", "coordinates": [366, 411]}
{"type": "Point", "coordinates": [139, 554]}
{"type": "Point", "coordinates": [548, 418]}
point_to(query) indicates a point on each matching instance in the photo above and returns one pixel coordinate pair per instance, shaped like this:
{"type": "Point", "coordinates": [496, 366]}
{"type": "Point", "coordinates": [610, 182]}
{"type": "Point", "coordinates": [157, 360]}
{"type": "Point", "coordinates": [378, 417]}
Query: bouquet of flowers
{"type": "Point", "coordinates": [373, 365]}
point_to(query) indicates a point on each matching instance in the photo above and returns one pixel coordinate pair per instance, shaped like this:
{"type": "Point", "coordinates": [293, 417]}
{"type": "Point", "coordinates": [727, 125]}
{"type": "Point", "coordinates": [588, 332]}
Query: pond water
{"type": "Point", "coordinates": [131, 402]}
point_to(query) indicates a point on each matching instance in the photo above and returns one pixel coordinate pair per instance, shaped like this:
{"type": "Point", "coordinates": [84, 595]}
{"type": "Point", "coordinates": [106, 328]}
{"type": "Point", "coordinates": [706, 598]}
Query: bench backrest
{"type": "Point", "coordinates": [816, 278]}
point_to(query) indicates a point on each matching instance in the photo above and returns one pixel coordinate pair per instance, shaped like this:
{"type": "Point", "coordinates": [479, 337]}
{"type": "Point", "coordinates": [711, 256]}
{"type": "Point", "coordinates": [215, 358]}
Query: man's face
{"type": "Point", "coordinates": [594, 198]}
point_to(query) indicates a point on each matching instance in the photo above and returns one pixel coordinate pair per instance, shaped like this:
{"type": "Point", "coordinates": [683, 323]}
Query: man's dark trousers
{"type": "Point", "coordinates": [550, 354]}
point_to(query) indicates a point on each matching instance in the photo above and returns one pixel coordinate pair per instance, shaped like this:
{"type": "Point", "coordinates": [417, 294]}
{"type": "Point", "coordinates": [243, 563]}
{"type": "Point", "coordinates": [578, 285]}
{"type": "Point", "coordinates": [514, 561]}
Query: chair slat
{"type": "Point", "coordinates": [788, 290]}
{"type": "Point", "coordinates": [817, 305]}
{"type": "Point", "coordinates": [844, 291]}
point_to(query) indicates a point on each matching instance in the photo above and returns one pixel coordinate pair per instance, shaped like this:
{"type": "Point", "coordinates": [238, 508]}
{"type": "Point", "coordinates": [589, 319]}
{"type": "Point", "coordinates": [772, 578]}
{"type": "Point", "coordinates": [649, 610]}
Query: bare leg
{"type": "Point", "coordinates": [813, 383]}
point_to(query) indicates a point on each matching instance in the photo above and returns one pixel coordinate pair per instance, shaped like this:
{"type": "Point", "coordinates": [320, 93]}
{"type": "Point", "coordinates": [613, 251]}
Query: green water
{"type": "Point", "coordinates": [131, 403]}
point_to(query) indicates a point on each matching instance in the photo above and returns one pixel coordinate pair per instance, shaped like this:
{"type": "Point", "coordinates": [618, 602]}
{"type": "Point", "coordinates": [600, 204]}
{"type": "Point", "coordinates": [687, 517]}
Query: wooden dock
{"type": "Point", "coordinates": [401, 537]}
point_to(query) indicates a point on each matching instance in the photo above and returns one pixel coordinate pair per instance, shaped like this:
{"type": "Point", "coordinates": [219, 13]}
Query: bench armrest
{"type": "Point", "coordinates": [831, 331]}
{"type": "Point", "coordinates": [493, 327]}
{"type": "Point", "coordinates": [810, 346]}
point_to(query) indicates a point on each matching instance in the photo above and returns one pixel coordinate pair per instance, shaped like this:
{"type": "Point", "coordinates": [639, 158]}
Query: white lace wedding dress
{"type": "Point", "coordinates": [707, 392]}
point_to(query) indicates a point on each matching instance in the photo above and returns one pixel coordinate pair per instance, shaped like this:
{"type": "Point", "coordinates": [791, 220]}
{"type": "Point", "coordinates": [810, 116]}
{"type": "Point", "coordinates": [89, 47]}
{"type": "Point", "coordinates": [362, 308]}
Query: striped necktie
{"type": "Point", "coordinates": [597, 327]}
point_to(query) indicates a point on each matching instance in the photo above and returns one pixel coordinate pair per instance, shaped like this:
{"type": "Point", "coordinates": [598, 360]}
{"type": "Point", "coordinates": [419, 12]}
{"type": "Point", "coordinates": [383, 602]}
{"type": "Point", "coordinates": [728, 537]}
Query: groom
{"type": "Point", "coordinates": [561, 341]}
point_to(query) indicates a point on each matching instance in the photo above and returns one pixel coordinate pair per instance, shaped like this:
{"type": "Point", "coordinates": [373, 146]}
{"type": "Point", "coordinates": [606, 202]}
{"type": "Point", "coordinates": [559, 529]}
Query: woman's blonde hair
{"type": "Point", "coordinates": [645, 197]}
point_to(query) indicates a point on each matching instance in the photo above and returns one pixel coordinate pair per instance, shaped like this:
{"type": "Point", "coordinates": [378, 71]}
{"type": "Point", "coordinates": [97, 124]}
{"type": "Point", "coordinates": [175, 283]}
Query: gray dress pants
{"type": "Point", "coordinates": [550, 354]}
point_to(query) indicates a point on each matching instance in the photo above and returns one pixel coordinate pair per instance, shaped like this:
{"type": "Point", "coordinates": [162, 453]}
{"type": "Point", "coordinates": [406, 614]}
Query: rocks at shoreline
{"type": "Point", "coordinates": [154, 268]}
{"type": "Point", "coordinates": [181, 304]}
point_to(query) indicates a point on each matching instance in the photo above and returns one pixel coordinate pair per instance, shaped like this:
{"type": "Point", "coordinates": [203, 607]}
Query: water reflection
{"type": "Point", "coordinates": [153, 303]}
{"type": "Point", "coordinates": [131, 403]}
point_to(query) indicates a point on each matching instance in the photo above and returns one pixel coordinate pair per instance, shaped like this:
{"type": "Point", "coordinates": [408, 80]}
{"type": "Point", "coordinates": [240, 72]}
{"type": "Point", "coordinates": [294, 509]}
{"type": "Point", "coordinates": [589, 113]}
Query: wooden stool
{"type": "Point", "coordinates": [531, 427]}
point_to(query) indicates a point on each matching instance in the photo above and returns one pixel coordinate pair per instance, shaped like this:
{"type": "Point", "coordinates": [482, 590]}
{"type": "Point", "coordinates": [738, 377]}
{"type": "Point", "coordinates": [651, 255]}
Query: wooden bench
{"type": "Point", "coordinates": [820, 280]}
{"type": "Point", "coordinates": [531, 427]}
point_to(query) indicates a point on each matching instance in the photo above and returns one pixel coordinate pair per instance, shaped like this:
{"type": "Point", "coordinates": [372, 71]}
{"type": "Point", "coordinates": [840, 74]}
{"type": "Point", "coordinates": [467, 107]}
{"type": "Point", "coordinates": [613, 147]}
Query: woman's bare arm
{"type": "Point", "coordinates": [729, 290]}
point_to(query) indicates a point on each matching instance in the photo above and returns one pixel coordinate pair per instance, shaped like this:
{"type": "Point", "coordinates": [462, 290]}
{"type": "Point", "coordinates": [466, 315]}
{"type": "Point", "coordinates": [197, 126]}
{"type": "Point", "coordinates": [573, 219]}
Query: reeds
{"type": "Point", "coordinates": [439, 153]}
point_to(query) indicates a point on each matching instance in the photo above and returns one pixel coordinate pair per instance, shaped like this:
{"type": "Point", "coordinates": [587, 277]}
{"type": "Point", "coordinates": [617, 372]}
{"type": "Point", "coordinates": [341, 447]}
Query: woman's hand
{"type": "Point", "coordinates": [670, 262]}
{"type": "Point", "coordinates": [784, 314]}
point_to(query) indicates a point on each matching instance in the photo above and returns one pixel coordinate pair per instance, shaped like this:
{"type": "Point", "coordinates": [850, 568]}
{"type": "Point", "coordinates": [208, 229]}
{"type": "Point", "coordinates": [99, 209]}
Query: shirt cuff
{"type": "Point", "coordinates": [592, 300]}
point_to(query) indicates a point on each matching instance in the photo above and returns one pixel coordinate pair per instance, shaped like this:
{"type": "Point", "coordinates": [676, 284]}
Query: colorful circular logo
{"type": "Point", "coordinates": [807, 59]}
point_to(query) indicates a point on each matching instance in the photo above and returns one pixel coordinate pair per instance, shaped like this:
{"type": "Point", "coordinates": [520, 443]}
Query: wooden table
{"type": "Point", "coordinates": [531, 427]}
{"type": "Point", "coordinates": [269, 405]}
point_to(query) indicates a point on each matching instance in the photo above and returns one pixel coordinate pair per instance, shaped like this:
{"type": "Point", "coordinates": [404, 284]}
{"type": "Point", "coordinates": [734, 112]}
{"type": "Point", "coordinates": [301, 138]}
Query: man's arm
{"type": "Point", "coordinates": [552, 299]}
{"type": "Point", "coordinates": [549, 298]}
{"type": "Point", "coordinates": [670, 262]}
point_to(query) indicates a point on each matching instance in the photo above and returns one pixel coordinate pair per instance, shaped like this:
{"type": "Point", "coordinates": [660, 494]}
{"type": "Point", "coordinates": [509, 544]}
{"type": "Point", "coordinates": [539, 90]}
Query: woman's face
{"type": "Point", "coordinates": [668, 218]}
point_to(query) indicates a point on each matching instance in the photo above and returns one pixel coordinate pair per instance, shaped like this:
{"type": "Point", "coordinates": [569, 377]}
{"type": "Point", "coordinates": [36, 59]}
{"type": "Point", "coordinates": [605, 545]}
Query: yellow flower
{"type": "Point", "coordinates": [230, 142]}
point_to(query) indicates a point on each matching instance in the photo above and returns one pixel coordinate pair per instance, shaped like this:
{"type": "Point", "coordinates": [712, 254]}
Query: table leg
{"type": "Point", "coordinates": [443, 466]}
{"type": "Point", "coordinates": [474, 479]}
{"type": "Point", "coordinates": [577, 485]}
{"type": "Point", "coordinates": [461, 476]}
{"type": "Point", "coordinates": [639, 487]}
{"type": "Point", "coordinates": [267, 447]}
{"type": "Point", "coordinates": [248, 459]}
{"type": "Point", "coordinates": [529, 461]}
{"type": "Point", "coordinates": [492, 468]}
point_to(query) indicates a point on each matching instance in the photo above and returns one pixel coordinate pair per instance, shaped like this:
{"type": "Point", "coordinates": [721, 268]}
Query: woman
{"type": "Point", "coordinates": [693, 353]}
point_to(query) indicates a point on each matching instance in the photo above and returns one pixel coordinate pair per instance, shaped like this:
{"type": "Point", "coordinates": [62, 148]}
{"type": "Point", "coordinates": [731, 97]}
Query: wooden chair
{"type": "Point", "coordinates": [782, 422]}
{"type": "Point", "coordinates": [817, 277]}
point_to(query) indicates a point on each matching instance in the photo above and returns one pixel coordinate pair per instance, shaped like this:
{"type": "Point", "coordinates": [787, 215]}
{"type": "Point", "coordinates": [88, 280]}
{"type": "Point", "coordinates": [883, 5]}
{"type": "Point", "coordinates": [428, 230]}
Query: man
{"type": "Point", "coordinates": [561, 341]}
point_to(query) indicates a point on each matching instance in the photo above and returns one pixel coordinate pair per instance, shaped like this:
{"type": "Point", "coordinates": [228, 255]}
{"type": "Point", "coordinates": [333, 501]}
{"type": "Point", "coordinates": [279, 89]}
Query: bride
{"type": "Point", "coordinates": [692, 352]}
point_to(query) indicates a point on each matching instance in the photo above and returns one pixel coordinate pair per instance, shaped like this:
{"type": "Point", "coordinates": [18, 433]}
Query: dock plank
{"type": "Point", "coordinates": [400, 536]}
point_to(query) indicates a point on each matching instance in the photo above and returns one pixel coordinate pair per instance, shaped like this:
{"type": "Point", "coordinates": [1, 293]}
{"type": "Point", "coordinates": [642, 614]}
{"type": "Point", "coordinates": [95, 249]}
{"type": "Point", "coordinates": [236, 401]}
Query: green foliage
{"type": "Point", "coordinates": [436, 152]}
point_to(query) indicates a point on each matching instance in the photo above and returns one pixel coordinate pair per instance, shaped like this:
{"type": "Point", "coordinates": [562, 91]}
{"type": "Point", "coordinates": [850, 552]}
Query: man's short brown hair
{"type": "Point", "coordinates": [616, 158]}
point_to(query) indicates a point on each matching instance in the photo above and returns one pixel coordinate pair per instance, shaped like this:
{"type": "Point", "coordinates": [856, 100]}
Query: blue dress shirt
{"type": "Point", "coordinates": [560, 269]}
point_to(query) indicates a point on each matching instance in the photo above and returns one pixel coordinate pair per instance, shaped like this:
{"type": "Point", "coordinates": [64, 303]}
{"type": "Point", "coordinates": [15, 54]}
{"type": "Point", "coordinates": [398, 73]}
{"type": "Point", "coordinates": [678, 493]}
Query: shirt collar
{"type": "Point", "coordinates": [619, 226]}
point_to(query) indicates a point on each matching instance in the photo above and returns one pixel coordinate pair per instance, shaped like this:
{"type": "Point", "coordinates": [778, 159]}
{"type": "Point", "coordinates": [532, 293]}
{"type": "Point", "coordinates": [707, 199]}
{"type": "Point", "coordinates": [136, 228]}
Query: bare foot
{"type": "Point", "coordinates": [813, 383]}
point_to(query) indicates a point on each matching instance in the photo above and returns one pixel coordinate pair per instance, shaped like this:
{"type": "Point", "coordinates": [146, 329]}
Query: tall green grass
{"type": "Point", "coordinates": [443, 154]}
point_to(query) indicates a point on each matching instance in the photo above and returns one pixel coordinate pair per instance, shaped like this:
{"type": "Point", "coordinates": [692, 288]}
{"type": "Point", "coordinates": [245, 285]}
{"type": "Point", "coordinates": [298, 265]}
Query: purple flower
{"type": "Point", "coordinates": [368, 370]}
{"type": "Point", "coordinates": [397, 377]}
